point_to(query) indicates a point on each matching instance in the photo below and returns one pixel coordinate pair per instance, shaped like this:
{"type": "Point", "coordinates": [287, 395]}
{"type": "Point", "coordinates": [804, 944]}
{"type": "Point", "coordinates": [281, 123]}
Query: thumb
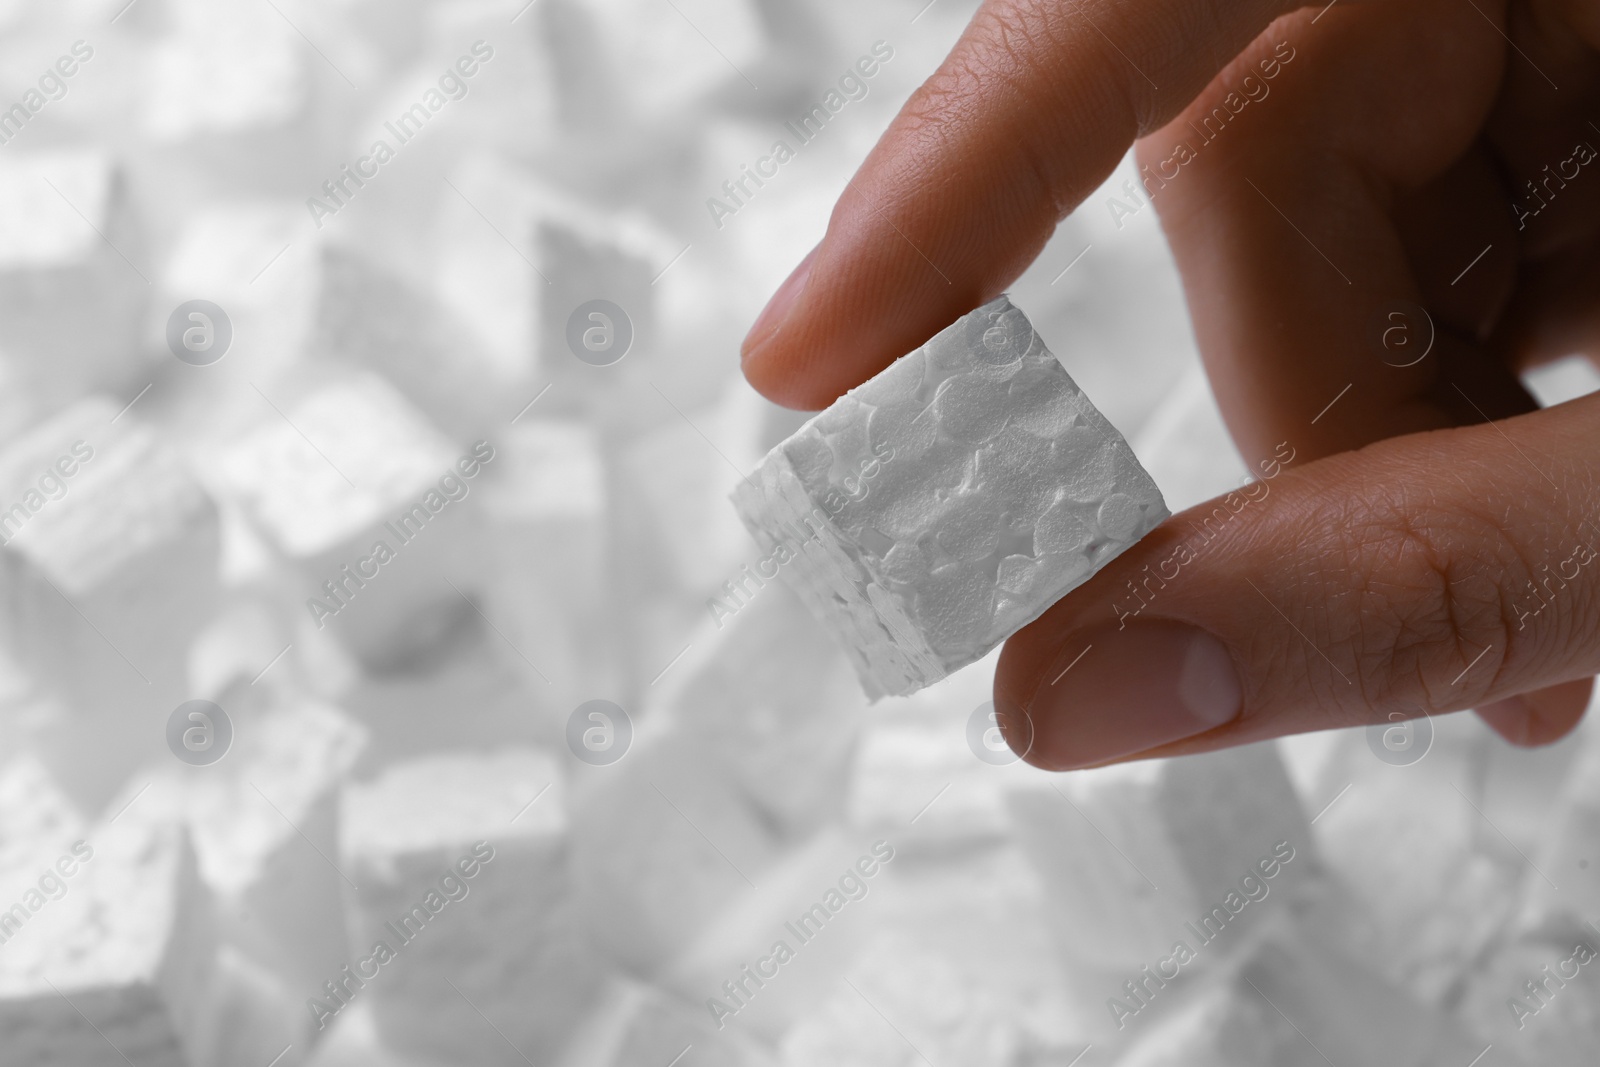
{"type": "Point", "coordinates": [1423, 574]}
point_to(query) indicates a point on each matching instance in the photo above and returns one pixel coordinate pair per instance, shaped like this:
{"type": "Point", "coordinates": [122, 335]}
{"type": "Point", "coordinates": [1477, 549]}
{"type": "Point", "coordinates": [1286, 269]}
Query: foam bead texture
{"type": "Point", "coordinates": [935, 510]}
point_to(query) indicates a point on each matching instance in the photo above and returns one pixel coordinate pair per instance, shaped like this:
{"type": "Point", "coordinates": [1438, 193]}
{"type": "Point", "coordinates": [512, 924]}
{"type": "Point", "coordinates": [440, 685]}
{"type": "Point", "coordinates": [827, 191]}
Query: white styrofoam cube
{"type": "Point", "coordinates": [1536, 997]}
{"type": "Point", "coordinates": [109, 570]}
{"type": "Point", "coordinates": [1150, 848]}
{"type": "Point", "coordinates": [470, 688]}
{"type": "Point", "coordinates": [243, 256]}
{"type": "Point", "coordinates": [905, 1005]}
{"type": "Point", "coordinates": [70, 303]}
{"type": "Point", "coordinates": [917, 776]}
{"type": "Point", "coordinates": [250, 1016]}
{"type": "Point", "coordinates": [814, 901]}
{"type": "Point", "coordinates": [502, 940]}
{"type": "Point", "coordinates": [517, 277]}
{"type": "Point", "coordinates": [651, 62]}
{"type": "Point", "coordinates": [982, 907]}
{"type": "Point", "coordinates": [1439, 884]}
{"type": "Point", "coordinates": [932, 512]}
{"type": "Point", "coordinates": [354, 1040]}
{"type": "Point", "coordinates": [636, 1025]}
{"type": "Point", "coordinates": [240, 646]}
{"type": "Point", "coordinates": [660, 852]}
{"type": "Point", "coordinates": [264, 824]}
{"type": "Point", "coordinates": [373, 316]}
{"type": "Point", "coordinates": [439, 802]}
{"type": "Point", "coordinates": [908, 770]}
{"type": "Point", "coordinates": [290, 471]}
{"type": "Point", "coordinates": [1222, 1023]}
{"type": "Point", "coordinates": [116, 491]}
{"type": "Point", "coordinates": [516, 111]}
{"type": "Point", "coordinates": [694, 542]}
{"type": "Point", "coordinates": [123, 956]}
{"type": "Point", "coordinates": [548, 555]}
{"type": "Point", "coordinates": [36, 819]}
{"type": "Point", "coordinates": [194, 87]}
{"type": "Point", "coordinates": [1561, 888]}
{"type": "Point", "coordinates": [350, 466]}
{"type": "Point", "coordinates": [774, 701]}
{"type": "Point", "coordinates": [1290, 1002]}
{"type": "Point", "coordinates": [916, 773]}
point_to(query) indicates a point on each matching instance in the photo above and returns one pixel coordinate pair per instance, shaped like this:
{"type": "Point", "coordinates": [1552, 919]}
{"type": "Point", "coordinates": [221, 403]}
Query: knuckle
{"type": "Point", "coordinates": [1433, 623]}
{"type": "Point", "coordinates": [1010, 45]}
{"type": "Point", "coordinates": [1020, 69]}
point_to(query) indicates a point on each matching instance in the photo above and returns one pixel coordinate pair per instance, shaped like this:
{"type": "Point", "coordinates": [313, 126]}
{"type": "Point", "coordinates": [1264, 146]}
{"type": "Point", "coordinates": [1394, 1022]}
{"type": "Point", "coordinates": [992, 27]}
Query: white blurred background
{"type": "Point", "coordinates": [503, 791]}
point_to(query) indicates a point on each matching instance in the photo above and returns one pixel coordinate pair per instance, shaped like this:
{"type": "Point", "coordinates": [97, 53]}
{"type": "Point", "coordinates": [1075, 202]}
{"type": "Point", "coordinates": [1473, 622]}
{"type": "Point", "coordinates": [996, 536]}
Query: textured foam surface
{"type": "Point", "coordinates": [449, 801]}
{"type": "Point", "coordinates": [938, 508]}
{"type": "Point", "coordinates": [373, 452]}
{"type": "Point", "coordinates": [941, 1015]}
{"type": "Point", "coordinates": [250, 816]}
{"type": "Point", "coordinates": [509, 944]}
{"type": "Point", "coordinates": [129, 496]}
{"type": "Point", "coordinates": [115, 967]}
{"type": "Point", "coordinates": [1194, 827]}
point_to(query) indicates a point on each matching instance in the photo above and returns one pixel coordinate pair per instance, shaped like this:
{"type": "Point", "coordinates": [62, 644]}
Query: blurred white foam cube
{"type": "Point", "coordinates": [349, 467]}
{"type": "Point", "coordinates": [73, 275]}
{"type": "Point", "coordinates": [460, 864]}
{"type": "Point", "coordinates": [110, 567]}
{"type": "Point", "coordinates": [117, 968]}
{"type": "Point", "coordinates": [264, 825]}
{"type": "Point", "coordinates": [1151, 849]}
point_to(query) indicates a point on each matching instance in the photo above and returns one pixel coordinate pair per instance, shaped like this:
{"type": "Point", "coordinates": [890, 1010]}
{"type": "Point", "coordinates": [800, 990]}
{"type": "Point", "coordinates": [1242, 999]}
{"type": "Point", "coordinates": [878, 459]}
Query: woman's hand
{"type": "Point", "coordinates": [1322, 175]}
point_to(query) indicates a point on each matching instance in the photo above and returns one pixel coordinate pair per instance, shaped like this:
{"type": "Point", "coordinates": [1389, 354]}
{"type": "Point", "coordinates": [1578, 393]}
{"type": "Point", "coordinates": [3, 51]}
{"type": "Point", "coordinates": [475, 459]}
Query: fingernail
{"type": "Point", "coordinates": [1132, 690]}
{"type": "Point", "coordinates": [771, 319]}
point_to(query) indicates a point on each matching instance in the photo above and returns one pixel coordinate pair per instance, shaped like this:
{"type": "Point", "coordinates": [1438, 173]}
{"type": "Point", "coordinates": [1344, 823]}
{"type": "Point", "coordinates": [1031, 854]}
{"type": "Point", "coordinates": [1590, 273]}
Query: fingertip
{"type": "Point", "coordinates": [774, 384]}
{"type": "Point", "coordinates": [1016, 726]}
{"type": "Point", "coordinates": [780, 308]}
{"type": "Point", "coordinates": [778, 376]}
{"type": "Point", "coordinates": [795, 354]}
{"type": "Point", "coordinates": [1541, 717]}
{"type": "Point", "coordinates": [1112, 693]}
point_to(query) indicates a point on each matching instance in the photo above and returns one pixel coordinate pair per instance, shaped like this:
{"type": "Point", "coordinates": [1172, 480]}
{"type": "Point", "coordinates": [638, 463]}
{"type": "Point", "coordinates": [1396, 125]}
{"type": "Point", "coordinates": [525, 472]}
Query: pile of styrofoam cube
{"type": "Point", "coordinates": [426, 844]}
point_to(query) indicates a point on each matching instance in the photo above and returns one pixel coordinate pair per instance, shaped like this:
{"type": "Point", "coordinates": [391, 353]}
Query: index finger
{"type": "Point", "coordinates": [1029, 113]}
